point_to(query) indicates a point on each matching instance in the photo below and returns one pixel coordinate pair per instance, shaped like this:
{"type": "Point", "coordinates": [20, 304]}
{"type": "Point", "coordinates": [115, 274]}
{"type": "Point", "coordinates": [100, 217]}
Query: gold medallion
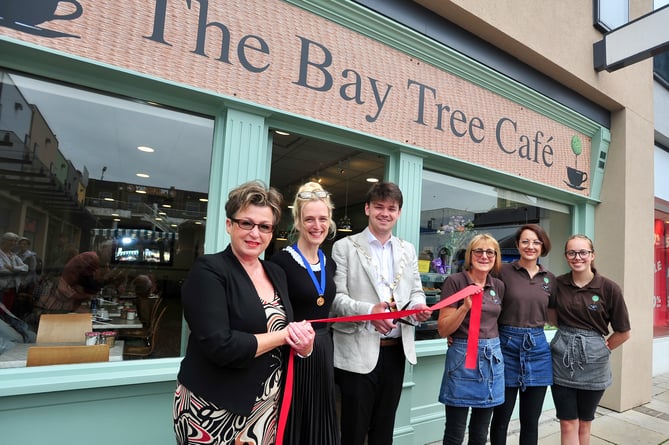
{"type": "Point", "coordinates": [320, 301]}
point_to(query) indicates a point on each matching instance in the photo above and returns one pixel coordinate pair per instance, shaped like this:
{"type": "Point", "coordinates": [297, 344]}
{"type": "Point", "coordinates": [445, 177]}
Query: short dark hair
{"type": "Point", "coordinates": [254, 193]}
{"type": "Point", "coordinates": [541, 235]}
{"type": "Point", "coordinates": [382, 191]}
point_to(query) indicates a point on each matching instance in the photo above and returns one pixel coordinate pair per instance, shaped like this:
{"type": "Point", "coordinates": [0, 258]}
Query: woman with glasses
{"type": "Point", "coordinates": [240, 319]}
{"type": "Point", "coordinates": [588, 306]}
{"type": "Point", "coordinates": [313, 416]}
{"type": "Point", "coordinates": [480, 389]}
{"type": "Point", "coordinates": [528, 369]}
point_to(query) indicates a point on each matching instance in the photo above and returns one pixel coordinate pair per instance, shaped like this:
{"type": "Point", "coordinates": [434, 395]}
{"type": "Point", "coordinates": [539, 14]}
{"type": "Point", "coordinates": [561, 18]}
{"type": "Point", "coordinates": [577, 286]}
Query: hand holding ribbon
{"type": "Point", "coordinates": [476, 292]}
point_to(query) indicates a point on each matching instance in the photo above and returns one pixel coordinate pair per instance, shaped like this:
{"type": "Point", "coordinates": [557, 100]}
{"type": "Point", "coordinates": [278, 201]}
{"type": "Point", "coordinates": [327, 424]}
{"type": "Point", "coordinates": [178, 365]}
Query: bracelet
{"type": "Point", "coordinates": [305, 356]}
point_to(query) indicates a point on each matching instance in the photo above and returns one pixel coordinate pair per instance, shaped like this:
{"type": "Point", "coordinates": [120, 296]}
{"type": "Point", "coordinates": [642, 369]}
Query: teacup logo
{"type": "Point", "coordinates": [27, 15]}
{"type": "Point", "coordinates": [576, 177]}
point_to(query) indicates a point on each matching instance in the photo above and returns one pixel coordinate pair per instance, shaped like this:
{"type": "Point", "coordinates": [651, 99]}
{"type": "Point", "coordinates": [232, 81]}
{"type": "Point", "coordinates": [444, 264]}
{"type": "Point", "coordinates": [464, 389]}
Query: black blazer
{"type": "Point", "coordinates": [223, 311]}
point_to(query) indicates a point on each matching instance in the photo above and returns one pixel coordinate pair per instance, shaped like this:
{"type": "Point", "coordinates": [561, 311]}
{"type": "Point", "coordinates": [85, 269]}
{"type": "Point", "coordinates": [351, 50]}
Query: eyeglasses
{"type": "Point", "coordinates": [478, 253]}
{"type": "Point", "coordinates": [571, 254]}
{"type": "Point", "coordinates": [314, 194]}
{"type": "Point", "coordinates": [535, 243]}
{"type": "Point", "coordinates": [245, 224]}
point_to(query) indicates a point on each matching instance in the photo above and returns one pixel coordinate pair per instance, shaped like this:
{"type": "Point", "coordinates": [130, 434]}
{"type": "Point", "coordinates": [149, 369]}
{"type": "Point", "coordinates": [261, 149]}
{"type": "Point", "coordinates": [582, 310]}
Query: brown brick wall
{"type": "Point", "coordinates": [117, 32]}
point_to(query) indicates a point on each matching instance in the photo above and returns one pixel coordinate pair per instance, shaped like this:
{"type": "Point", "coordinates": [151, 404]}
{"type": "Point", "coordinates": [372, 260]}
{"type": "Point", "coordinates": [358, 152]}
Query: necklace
{"type": "Point", "coordinates": [320, 286]}
{"type": "Point", "coordinates": [398, 275]}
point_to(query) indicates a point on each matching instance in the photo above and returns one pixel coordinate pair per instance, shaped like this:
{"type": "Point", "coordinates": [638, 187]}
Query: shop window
{"type": "Point", "coordinates": [85, 175]}
{"type": "Point", "coordinates": [610, 14]}
{"type": "Point", "coordinates": [661, 68]}
{"type": "Point", "coordinates": [660, 304]}
{"type": "Point", "coordinates": [453, 210]}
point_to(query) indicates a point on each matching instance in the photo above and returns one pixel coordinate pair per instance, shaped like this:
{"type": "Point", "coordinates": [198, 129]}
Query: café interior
{"type": "Point", "coordinates": [85, 172]}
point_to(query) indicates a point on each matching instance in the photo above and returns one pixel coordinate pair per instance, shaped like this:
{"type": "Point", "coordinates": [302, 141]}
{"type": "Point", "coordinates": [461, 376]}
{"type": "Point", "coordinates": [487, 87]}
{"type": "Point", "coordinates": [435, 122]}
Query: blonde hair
{"type": "Point", "coordinates": [484, 238]}
{"type": "Point", "coordinates": [299, 203]}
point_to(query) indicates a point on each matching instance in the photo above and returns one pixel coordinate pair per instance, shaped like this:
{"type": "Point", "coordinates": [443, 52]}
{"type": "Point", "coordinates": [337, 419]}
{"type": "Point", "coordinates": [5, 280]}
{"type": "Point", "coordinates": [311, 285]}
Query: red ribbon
{"type": "Point", "coordinates": [472, 342]}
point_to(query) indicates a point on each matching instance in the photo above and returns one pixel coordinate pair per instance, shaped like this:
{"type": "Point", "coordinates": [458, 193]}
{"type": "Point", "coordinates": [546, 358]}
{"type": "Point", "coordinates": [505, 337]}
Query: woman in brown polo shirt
{"type": "Point", "coordinates": [482, 388]}
{"type": "Point", "coordinates": [587, 304]}
{"type": "Point", "coordinates": [528, 370]}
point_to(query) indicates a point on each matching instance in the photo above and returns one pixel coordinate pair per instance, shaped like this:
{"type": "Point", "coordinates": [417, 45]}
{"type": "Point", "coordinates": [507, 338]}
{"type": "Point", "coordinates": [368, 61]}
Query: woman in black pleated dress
{"type": "Point", "coordinates": [311, 288]}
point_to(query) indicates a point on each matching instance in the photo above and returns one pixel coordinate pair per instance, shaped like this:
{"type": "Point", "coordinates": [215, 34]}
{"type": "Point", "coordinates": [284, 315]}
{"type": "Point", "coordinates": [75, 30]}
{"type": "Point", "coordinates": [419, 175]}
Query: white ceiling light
{"type": "Point", "coordinates": [372, 179]}
{"type": "Point", "coordinates": [142, 175]}
{"type": "Point", "coordinates": [145, 149]}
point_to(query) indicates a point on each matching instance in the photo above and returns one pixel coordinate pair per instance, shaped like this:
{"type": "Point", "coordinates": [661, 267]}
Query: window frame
{"type": "Point", "coordinates": [607, 14]}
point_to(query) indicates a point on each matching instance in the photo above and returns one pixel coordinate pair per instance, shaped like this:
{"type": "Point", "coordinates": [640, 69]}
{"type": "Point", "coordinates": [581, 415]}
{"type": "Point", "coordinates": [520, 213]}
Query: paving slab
{"type": "Point", "coordinates": [615, 430]}
{"type": "Point", "coordinates": [647, 424]}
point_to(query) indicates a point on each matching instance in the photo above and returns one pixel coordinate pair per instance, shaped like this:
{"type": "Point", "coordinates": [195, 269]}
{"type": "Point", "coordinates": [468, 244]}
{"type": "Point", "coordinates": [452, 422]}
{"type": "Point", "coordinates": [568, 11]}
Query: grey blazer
{"type": "Point", "coordinates": [356, 344]}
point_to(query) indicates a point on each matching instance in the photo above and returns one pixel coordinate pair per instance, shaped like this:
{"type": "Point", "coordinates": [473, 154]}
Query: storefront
{"type": "Point", "coordinates": [128, 122]}
{"type": "Point", "coordinates": [661, 232]}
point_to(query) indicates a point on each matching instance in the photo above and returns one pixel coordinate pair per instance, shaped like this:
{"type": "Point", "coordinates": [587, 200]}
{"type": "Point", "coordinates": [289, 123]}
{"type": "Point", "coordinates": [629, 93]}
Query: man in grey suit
{"type": "Point", "coordinates": [376, 272]}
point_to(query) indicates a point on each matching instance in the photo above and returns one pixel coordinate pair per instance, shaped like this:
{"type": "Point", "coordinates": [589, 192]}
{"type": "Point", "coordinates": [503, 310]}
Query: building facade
{"type": "Point", "coordinates": [488, 116]}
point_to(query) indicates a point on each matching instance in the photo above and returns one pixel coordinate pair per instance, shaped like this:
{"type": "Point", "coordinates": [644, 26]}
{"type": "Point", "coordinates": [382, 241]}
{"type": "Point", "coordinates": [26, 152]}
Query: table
{"type": "Point", "coordinates": [17, 356]}
{"type": "Point", "coordinates": [115, 323]}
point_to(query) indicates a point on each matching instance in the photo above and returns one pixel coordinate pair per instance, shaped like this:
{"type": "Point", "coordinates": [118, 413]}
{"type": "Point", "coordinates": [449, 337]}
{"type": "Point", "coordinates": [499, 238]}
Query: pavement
{"type": "Point", "coordinates": [647, 424]}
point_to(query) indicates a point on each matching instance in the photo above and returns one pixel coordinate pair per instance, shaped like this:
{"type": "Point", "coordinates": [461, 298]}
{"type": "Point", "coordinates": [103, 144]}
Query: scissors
{"type": "Point", "coordinates": [404, 320]}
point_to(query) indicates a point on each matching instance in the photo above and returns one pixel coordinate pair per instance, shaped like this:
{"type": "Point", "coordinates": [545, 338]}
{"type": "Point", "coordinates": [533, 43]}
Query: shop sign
{"type": "Point", "coordinates": [277, 55]}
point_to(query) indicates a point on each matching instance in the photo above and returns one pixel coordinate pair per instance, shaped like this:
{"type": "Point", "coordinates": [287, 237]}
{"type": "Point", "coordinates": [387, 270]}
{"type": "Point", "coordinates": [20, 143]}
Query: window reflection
{"type": "Point", "coordinates": [103, 190]}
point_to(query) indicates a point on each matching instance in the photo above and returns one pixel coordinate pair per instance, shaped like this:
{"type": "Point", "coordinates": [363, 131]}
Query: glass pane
{"type": "Point", "coordinates": [611, 14]}
{"type": "Point", "coordinates": [453, 210]}
{"type": "Point", "coordinates": [661, 67]}
{"type": "Point", "coordinates": [109, 197]}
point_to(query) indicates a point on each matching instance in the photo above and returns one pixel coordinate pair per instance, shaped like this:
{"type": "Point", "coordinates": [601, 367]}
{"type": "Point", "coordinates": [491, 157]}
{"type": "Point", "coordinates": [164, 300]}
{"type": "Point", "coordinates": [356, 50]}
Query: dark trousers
{"type": "Point", "coordinates": [456, 423]}
{"type": "Point", "coordinates": [531, 402]}
{"type": "Point", "coordinates": [369, 401]}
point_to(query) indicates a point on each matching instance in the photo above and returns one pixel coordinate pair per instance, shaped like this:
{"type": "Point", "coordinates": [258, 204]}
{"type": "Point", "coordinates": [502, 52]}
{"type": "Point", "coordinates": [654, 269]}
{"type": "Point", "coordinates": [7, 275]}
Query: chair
{"type": "Point", "coordinates": [145, 350]}
{"type": "Point", "coordinates": [144, 332]}
{"type": "Point", "coordinates": [60, 355]}
{"type": "Point", "coordinates": [63, 328]}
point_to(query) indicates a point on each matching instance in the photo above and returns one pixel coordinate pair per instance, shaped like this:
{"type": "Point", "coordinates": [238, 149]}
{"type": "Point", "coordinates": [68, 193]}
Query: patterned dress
{"type": "Point", "coordinates": [202, 422]}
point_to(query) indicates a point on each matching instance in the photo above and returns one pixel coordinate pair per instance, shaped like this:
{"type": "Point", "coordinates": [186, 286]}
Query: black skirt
{"type": "Point", "coordinates": [313, 417]}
